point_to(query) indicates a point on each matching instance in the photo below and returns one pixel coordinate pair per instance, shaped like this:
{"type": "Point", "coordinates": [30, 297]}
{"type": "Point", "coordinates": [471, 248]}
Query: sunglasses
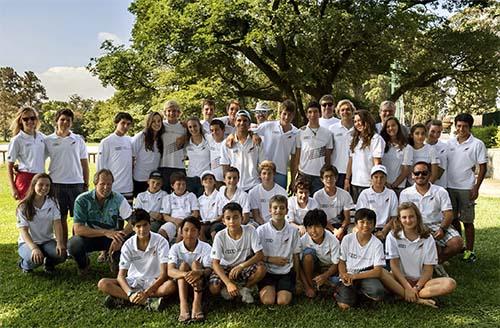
{"type": "Point", "coordinates": [421, 173]}
{"type": "Point", "coordinates": [31, 118]}
{"type": "Point", "coordinates": [327, 104]}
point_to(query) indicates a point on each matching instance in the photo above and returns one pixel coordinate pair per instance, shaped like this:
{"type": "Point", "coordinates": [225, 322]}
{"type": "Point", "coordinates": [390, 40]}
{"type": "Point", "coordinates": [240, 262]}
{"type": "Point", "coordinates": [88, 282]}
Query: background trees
{"type": "Point", "coordinates": [271, 50]}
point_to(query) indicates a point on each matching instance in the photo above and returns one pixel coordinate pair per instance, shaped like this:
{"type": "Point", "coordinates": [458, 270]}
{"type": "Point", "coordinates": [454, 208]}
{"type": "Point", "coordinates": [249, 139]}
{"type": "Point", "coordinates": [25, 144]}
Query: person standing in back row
{"type": "Point", "coordinates": [69, 166]}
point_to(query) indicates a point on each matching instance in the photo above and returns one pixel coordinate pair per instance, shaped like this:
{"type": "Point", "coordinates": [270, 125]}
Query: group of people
{"type": "Point", "coordinates": [203, 204]}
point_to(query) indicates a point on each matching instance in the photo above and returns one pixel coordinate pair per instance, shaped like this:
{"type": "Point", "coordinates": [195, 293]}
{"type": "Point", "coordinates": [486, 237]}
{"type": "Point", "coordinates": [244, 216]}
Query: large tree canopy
{"type": "Point", "coordinates": [300, 49]}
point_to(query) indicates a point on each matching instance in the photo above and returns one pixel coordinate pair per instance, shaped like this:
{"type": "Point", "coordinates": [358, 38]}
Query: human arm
{"type": "Point", "coordinates": [403, 174]}
{"type": "Point", "coordinates": [328, 156]}
{"type": "Point", "coordinates": [434, 173]}
{"type": "Point", "coordinates": [36, 254]}
{"type": "Point", "coordinates": [60, 242]}
{"type": "Point", "coordinates": [231, 287]}
{"type": "Point", "coordinates": [474, 193]}
{"type": "Point", "coordinates": [348, 175]}
{"type": "Point", "coordinates": [257, 216]}
{"type": "Point", "coordinates": [294, 166]}
{"type": "Point", "coordinates": [10, 171]}
{"type": "Point", "coordinates": [445, 224]}
{"type": "Point", "coordinates": [257, 257]}
{"type": "Point", "coordinates": [346, 214]}
{"type": "Point", "coordinates": [410, 293]}
{"type": "Point", "coordinates": [323, 277]}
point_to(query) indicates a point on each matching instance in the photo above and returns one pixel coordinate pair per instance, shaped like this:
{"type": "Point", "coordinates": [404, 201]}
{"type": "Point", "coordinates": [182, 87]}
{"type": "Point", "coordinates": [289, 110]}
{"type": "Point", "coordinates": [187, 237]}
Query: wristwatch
{"type": "Point", "coordinates": [130, 293]}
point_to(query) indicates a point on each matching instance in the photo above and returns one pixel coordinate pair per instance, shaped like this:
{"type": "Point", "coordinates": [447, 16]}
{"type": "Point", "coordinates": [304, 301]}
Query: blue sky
{"type": "Point", "coordinates": [57, 38]}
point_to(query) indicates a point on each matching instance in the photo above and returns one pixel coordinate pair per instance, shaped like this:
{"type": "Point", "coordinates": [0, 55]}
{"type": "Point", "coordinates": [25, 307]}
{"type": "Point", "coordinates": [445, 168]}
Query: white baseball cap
{"type": "Point", "coordinates": [378, 168]}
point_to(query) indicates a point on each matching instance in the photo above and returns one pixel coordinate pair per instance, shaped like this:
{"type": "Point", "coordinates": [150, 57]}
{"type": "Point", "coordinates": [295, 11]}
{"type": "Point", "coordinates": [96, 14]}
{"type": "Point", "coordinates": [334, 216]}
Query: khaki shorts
{"type": "Point", "coordinates": [463, 207]}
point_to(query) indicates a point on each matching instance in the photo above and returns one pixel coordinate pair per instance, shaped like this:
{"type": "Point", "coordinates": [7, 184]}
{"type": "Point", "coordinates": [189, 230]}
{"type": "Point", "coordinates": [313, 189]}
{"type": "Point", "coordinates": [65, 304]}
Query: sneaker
{"type": "Point", "coordinates": [246, 295]}
{"type": "Point", "coordinates": [225, 294]}
{"type": "Point", "coordinates": [440, 271]}
{"type": "Point", "coordinates": [22, 269]}
{"type": "Point", "coordinates": [112, 302]}
{"type": "Point", "coordinates": [48, 267]}
{"type": "Point", "coordinates": [469, 256]}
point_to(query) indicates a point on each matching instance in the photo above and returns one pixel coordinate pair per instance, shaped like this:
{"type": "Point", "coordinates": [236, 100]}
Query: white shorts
{"type": "Point", "coordinates": [171, 230]}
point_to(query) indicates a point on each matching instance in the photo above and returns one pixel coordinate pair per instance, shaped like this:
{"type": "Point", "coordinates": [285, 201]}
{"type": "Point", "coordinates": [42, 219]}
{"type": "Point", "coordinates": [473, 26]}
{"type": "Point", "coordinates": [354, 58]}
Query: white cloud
{"type": "Point", "coordinates": [62, 81]}
{"type": "Point", "coordinates": [103, 36]}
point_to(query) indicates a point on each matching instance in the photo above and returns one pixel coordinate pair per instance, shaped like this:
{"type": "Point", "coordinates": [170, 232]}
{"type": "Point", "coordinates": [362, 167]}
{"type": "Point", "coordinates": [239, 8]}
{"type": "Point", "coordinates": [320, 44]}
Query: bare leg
{"type": "Point", "coordinates": [438, 287]}
{"type": "Point", "coordinates": [453, 247]}
{"type": "Point", "coordinates": [395, 287]}
{"type": "Point", "coordinates": [198, 294]}
{"type": "Point", "coordinates": [284, 297]}
{"type": "Point", "coordinates": [469, 236]}
{"type": "Point", "coordinates": [111, 287]}
{"type": "Point", "coordinates": [182, 285]}
{"type": "Point", "coordinates": [256, 276]}
{"type": "Point", "coordinates": [308, 269]}
{"type": "Point", "coordinates": [267, 295]}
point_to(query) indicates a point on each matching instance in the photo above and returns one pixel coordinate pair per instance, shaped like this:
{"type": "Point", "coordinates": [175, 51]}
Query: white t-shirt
{"type": "Point", "coordinates": [342, 137]}
{"type": "Point", "coordinates": [28, 151]}
{"type": "Point", "coordinates": [328, 252]}
{"type": "Point", "coordinates": [278, 145]}
{"type": "Point", "coordinates": [199, 158]}
{"type": "Point", "coordinates": [313, 144]}
{"type": "Point", "coordinates": [360, 258]}
{"type": "Point", "coordinates": [115, 154]}
{"type": "Point", "coordinates": [362, 160]}
{"type": "Point", "coordinates": [179, 206]}
{"type": "Point", "coordinates": [334, 205]}
{"type": "Point", "coordinates": [146, 161]}
{"type": "Point", "coordinates": [432, 205]}
{"type": "Point", "coordinates": [441, 152]}
{"type": "Point", "coordinates": [40, 227]}
{"type": "Point", "coordinates": [328, 122]}
{"type": "Point", "coordinates": [145, 264]}
{"type": "Point", "coordinates": [65, 155]}
{"type": "Point", "coordinates": [384, 204]}
{"type": "Point", "coordinates": [394, 158]}
{"type": "Point", "coordinates": [461, 159]}
{"type": "Point", "coordinates": [150, 202]}
{"type": "Point", "coordinates": [296, 213]}
{"type": "Point", "coordinates": [239, 197]}
{"type": "Point", "coordinates": [412, 255]}
{"type": "Point", "coordinates": [172, 157]}
{"type": "Point", "coordinates": [246, 158]}
{"type": "Point", "coordinates": [179, 253]}
{"type": "Point", "coordinates": [208, 206]}
{"type": "Point", "coordinates": [259, 199]}
{"type": "Point", "coordinates": [231, 252]}
{"type": "Point", "coordinates": [215, 155]}
{"type": "Point", "coordinates": [282, 243]}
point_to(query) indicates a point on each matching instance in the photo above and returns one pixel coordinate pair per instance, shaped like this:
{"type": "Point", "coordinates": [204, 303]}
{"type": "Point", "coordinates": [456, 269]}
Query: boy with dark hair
{"type": "Point", "coordinates": [143, 269]}
{"type": "Point", "coordinates": [336, 202]}
{"type": "Point", "coordinates": [215, 140]}
{"type": "Point", "coordinates": [151, 199]}
{"type": "Point", "coordinates": [465, 152]}
{"type": "Point", "coordinates": [281, 248]}
{"type": "Point", "coordinates": [115, 154]}
{"type": "Point", "coordinates": [300, 204]}
{"type": "Point", "coordinates": [320, 253]}
{"type": "Point", "coordinates": [177, 206]}
{"type": "Point", "coordinates": [361, 262]}
{"type": "Point", "coordinates": [236, 257]}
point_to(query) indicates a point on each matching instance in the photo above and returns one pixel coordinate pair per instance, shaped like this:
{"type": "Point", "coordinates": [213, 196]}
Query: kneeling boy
{"type": "Point", "coordinates": [281, 248]}
{"type": "Point", "coordinates": [320, 253]}
{"type": "Point", "coordinates": [361, 262]}
{"type": "Point", "coordinates": [236, 257]}
{"type": "Point", "coordinates": [143, 268]}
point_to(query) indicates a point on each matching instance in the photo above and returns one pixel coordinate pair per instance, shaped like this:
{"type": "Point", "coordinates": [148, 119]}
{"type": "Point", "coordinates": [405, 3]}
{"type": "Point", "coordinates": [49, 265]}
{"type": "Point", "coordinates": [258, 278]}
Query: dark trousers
{"type": "Point", "coordinates": [79, 247]}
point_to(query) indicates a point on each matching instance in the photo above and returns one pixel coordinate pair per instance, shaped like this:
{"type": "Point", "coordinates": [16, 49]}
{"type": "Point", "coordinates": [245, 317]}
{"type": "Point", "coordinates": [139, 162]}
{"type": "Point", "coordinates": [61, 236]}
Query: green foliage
{"type": "Point", "coordinates": [487, 134]}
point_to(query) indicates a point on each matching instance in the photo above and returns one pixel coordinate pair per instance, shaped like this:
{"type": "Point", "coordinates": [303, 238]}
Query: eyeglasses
{"type": "Point", "coordinates": [421, 173]}
{"type": "Point", "coordinates": [327, 104]}
{"type": "Point", "coordinates": [31, 118]}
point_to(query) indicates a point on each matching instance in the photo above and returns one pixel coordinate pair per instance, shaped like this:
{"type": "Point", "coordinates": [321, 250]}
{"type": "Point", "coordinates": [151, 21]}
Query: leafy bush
{"type": "Point", "coordinates": [490, 135]}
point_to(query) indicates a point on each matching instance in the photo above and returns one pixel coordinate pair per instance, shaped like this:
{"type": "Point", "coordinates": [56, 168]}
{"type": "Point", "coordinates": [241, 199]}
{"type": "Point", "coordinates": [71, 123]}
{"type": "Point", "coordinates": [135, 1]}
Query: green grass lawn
{"type": "Point", "coordinates": [65, 300]}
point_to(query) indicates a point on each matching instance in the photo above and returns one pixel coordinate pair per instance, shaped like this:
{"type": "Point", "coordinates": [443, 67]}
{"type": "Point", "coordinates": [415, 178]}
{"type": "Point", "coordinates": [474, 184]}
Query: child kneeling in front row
{"type": "Point", "coordinates": [281, 248]}
{"type": "Point", "coordinates": [189, 263]}
{"type": "Point", "coordinates": [412, 252]}
{"type": "Point", "coordinates": [320, 253]}
{"type": "Point", "coordinates": [236, 257]}
{"type": "Point", "coordinates": [143, 271]}
{"type": "Point", "coordinates": [361, 262]}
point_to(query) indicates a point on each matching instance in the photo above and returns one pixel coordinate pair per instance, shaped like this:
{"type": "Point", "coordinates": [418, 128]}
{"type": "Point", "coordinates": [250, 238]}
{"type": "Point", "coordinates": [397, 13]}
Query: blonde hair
{"type": "Point", "coordinates": [17, 122]}
{"type": "Point", "coordinates": [345, 102]}
{"type": "Point", "coordinates": [421, 229]}
{"type": "Point", "coordinates": [171, 104]}
{"type": "Point", "coordinates": [267, 165]}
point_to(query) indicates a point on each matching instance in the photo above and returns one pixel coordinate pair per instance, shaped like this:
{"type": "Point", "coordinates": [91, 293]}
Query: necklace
{"type": "Point", "coordinates": [313, 131]}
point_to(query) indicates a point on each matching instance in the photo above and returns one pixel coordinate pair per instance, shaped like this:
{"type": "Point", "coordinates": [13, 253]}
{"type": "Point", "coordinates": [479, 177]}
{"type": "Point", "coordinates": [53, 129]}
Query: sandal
{"type": "Point", "coordinates": [184, 318]}
{"type": "Point", "coordinates": [198, 317]}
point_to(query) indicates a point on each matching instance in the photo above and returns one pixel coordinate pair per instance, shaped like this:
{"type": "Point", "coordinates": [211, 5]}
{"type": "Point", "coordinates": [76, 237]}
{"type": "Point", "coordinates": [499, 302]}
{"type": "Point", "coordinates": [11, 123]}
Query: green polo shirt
{"type": "Point", "coordinates": [88, 211]}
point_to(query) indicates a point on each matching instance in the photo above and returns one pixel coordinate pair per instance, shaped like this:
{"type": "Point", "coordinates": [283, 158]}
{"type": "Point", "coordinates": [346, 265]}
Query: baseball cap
{"type": "Point", "coordinates": [262, 107]}
{"type": "Point", "coordinates": [207, 172]}
{"type": "Point", "coordinates": [378, 168]}
{"type": "Point", "coordinates": [155, 175]}
{"type": "Point", "coordinates": [245, 113]}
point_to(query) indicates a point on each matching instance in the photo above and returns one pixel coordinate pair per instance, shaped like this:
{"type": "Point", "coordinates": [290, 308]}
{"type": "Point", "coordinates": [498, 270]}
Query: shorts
{"type": "Point", "coordinates": [138, 284]}
{"type": "Point", "coordinates": [356, 191]}
{"type": "Point", "coordinates": [286, 281]}
{"type": "Point", "coordinates": [449, 233]}
{"type": "Point", "coordinates": [22, 182]}
{"type": "Point", "coordinates": [463, 207]}
{"type": "Point", "coordinates": [320, 267]}
{"type": "Point", "coordinates": [170, 229]}
{"type": "Point", "coordinates": [369, 287]}
{"type": "Point", "coordinates": [245, 274]}
{"type": "Point", "coordinates": [66, 195]}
